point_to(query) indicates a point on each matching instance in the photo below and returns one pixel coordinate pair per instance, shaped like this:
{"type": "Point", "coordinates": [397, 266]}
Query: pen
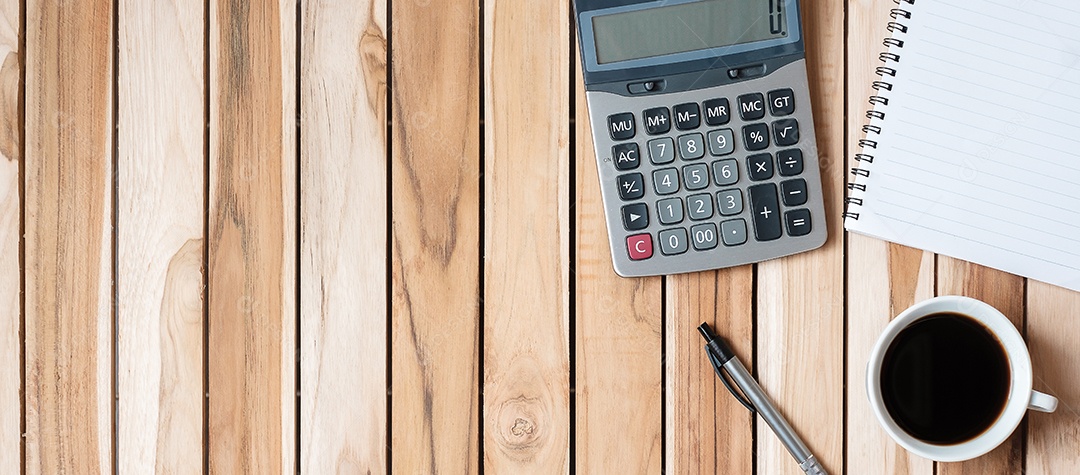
{"type": "Point", "coordinates": [722, 358]}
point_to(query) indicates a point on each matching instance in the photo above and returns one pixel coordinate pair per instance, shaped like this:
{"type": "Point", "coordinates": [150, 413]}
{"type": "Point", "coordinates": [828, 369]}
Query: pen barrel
{"type": "Point", "coordinates": [767, 411]}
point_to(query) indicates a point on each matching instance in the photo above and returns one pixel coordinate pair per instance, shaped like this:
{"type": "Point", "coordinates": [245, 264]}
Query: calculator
{"type": "Point", "coordinates": [704, 135]}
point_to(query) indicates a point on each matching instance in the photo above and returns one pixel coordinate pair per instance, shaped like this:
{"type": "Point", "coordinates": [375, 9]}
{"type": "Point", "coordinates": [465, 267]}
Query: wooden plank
{"type": "Point", "coordinates": [252, 237]}
{"type": "Point", "coordinates": [160, 206]}
{"type": "Point", "coordinates": [68, 243]}
{"type": "Point", "coordinates": [619, 349]}
{"type": "Point", "coordinates": [1006, 293]}
{"type": "Point", "coordinates": [1052, 334]}
{"type": "Point", "coordinates": [708, 430]}
{"type": "Point", "coordinates": [800, 320]}
{"type": "Point", "coordinates": [436, 237]}
{"type": "Point", "coordinates": [883, 278]}
{"type": "Point", "coordinates": [11, 122]}
{"type": "Point", "coordinates": [343, 248]}
{"type": "Point", "coordinates": [526, 272]}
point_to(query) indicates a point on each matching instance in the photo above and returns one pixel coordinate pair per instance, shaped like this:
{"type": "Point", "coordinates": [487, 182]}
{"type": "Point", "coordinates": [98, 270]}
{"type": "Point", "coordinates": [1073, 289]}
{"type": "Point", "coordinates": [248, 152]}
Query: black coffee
{"type": "Point", "coordinates": [945, 379]}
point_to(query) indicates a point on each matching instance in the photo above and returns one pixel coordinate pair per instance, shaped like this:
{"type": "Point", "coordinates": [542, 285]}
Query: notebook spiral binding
{"type": "Point", "coordinates": [881, 87]}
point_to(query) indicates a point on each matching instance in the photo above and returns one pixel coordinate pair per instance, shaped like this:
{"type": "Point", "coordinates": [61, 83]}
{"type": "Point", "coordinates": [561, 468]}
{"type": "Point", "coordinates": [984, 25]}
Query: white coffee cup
{"type": "Point", "coordinates": [1021, 397]}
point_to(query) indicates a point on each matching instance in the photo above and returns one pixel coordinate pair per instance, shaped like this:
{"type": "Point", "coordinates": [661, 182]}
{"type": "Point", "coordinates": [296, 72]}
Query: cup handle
{"type": "Point", "coordinates": [1042, 402]}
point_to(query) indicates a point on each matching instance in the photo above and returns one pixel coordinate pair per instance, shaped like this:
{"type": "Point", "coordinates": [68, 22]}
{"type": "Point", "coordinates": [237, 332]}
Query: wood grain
{"type": "Point", "coordinates": [883, 279]}
{"type": "Point", "coordinates": [436, 237]}
{"type": "Point", "coordinates": [11, 122]}
{"type": "Point", "coordinates": [252, 237]}
{"type": "Point", "coordinates": [1006, 293]}
{"type": "Point", "coordinates": [708, 430]}
{"type": "Point", "coordinates": [618, 342]}
{"type": "Point", "coordinates": [1052, 334]}
{"type": "Point", "coordinates": [800, 319]}
{"type": "Point", "coordinates": [343, 244]}
{"type": "Point", "coordinates": [68, 180]}
{"type": "Point", "coordinates": [526, 270]}
{"type": "Point", "coordinates": [159, 281]}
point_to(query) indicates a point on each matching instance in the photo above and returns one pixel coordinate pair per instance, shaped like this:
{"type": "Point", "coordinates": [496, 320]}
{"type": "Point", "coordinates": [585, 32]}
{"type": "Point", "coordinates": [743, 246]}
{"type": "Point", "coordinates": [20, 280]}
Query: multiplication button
{"type": "Point", "coordinates": [761, 166]}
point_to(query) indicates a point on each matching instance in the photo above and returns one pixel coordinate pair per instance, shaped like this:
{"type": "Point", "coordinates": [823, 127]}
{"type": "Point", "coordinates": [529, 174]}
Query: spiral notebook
{"type": "Point", "coordinates": [973, 147]}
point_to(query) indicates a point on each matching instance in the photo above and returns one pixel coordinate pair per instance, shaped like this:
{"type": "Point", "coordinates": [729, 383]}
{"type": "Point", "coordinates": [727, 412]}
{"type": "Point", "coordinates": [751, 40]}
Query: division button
{"type": "Point", "coordinates": [790, 162]}
{"type": "Point", "coordinates": [766, 211]}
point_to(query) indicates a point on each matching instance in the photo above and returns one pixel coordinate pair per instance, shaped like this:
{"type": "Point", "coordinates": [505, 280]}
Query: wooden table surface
{"type": "Point", "coordinates": [366, 237]}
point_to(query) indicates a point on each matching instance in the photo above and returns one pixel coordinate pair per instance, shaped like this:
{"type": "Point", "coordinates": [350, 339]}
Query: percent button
{"type": "Point", "coordinates": [756, 136]}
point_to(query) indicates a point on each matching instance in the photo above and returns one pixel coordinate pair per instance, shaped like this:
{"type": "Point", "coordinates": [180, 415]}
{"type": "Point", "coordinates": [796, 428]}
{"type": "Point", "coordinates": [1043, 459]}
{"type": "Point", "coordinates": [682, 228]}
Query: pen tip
{"type": "Point", "coordinates": [706, 332]}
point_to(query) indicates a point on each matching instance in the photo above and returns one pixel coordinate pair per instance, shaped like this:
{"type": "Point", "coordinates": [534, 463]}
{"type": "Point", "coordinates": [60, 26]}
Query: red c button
{"type": "Point", "coordinates": [640, 246]}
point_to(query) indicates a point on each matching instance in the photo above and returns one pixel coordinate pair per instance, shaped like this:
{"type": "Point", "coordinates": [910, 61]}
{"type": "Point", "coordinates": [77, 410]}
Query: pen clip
{"type": "Point", "coordinates": [719, 354]}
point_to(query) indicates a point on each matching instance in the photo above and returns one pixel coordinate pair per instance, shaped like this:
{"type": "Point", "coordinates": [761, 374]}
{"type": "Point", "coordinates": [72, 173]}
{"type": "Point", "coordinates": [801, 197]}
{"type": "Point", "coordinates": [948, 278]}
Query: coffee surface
{"type": "Point", "coordinates": [945, 379]}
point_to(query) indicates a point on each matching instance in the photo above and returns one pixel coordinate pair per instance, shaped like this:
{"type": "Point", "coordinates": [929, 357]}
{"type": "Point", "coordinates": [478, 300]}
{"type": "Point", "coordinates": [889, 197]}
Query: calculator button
{"type": "Point", "coordinates": [692, 146]}
{"type": "Point", "coordinates": [782, 102]}
{"type": "Point", "coordinates": [626, 156]}
{"type": "Point", "coordinates": [725, 172]}
{"type": "Point", "coordinates": [752, 106]}
{"type": "Point", "coordinates": [639, 246]}
{"type": "Point", "coordinates": [703, 236]}
{"type": "Point", "coordinates": [756, 136]}
{"type": "Point", "coordinates": [789, 162]}
{"type": "Point", "coordinates": [673, 241]}
{"type": "Point", "coordinates": [696, 176]}
{"type": "Point", "coordinates": [662, 151]}
{"type": "Point", "coordinates": [717, 112]}
{"type": "Point", "coordinates": [786, 132]}
{"type": "Point", "coordinates": [733, 232]}
{"type": "Point", "coordinates": [729, 202]}
{"type": "Point", "coordinates": [798, 222]}
{"type": "Point", "coordinates": [699, 207]}
{"type": "Point", "coordinates": [621, 126]}
{"type": "Point", "coordinates": [670, 211]}
{"type": "Point", "coordinates": [766, 210]}
{"type": "Point", "coordinates": [687, 116]}
{"type": "Point", "coordinates": [794, 192]}
{"type": "Point", "coordinates": [760, 166]}
{"type": "Point", "coordinates": [631, 186]}
{"type": "Point", "coordinates": [657, 121]}
{"type": "Point", "coordinates": [666, 181]}
{"type": "Point", "coordinates": [721, 142]}
{"type": "Point", "coordinates": [635, 217]}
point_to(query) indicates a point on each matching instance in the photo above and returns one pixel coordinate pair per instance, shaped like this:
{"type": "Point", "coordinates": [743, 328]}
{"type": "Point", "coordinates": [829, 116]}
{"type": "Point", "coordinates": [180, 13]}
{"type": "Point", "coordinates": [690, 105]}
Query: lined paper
{"type": "Point", "coordinates": [979, 154]}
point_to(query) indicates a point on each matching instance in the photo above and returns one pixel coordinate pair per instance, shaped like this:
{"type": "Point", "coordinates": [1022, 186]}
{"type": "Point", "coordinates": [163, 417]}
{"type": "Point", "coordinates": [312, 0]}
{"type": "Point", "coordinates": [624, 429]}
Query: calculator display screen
{"type": "Point", "coordinates": [686, 27]}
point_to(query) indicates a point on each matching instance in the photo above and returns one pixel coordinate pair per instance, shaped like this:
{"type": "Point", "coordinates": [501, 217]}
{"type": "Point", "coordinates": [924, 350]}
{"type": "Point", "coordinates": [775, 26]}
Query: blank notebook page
{"type": "Point", "coordinates": [978, 155]}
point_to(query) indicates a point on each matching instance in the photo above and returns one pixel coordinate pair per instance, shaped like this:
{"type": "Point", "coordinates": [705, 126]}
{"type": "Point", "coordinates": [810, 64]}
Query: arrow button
{"type": "Point", "coordinates": [635, 216]}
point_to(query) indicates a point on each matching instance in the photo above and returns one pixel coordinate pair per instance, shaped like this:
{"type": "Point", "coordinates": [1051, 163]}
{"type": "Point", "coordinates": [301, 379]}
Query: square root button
{"type": "Point", "coordinates": [639, 246]}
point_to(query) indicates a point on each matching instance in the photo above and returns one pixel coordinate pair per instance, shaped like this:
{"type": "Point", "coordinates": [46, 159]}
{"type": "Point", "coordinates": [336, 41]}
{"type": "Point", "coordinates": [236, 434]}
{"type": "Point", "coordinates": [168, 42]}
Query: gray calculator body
{"type": "Point", "coordinates": [707, 158]}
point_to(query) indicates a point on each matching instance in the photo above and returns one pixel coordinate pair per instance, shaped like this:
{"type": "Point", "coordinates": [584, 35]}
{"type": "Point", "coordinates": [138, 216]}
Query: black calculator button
{"type": "Point", "coordinates": [752, 106]}
{"type": "Point", "coordinates": [670, 211]}
{"type": "Point", "coordinates": [756, 136]}
{"type": "Point", "coordinates": [696, 176]}
{"type": "Point", "coordinates": [662, 151]}
{"type": "Point", "coordinates": [635, 217]}
{"type": "Point", "coordinates": [786, 132]}
{"type": "Point", "coordinates": [789, 162]}
{"type": "Point", "coordinates": [631, 186]}
{"type": "Point", "coordinates": [717, 111]}
{"type": "Point", "coordinates": [798, 222]}
{"type": "Point", "coordinates": [703, 236]}
{"type": "Point", "coordinates": [760, 166]}
{"type": "Point", "coordinates": [725, 172]}
{"type": "Point", "coordinates": [692, 146]}
{"type": "Point", "coordinates": [627, 156]}
{"type": "Point", "coordinates": [766, 210]}
{"type": "Point", "coordinates": [666, 181]}
{"type": "Point", "coordinates": [673, 241]}
{"type": "Point", "coordinates": [721, 142]}
{"type": "Point", "coordinates": [687, 116]}
{"type": "Point", "coordinates": [782, 102]}
{"type": "Point", "coordinates": [794, 192]}
{"type": "Point", "coordinates": [621, 126]}
{"type": "Point", "coordinates": [657, 121]}
{"type": "Point", "coordinates": [733, 232]}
